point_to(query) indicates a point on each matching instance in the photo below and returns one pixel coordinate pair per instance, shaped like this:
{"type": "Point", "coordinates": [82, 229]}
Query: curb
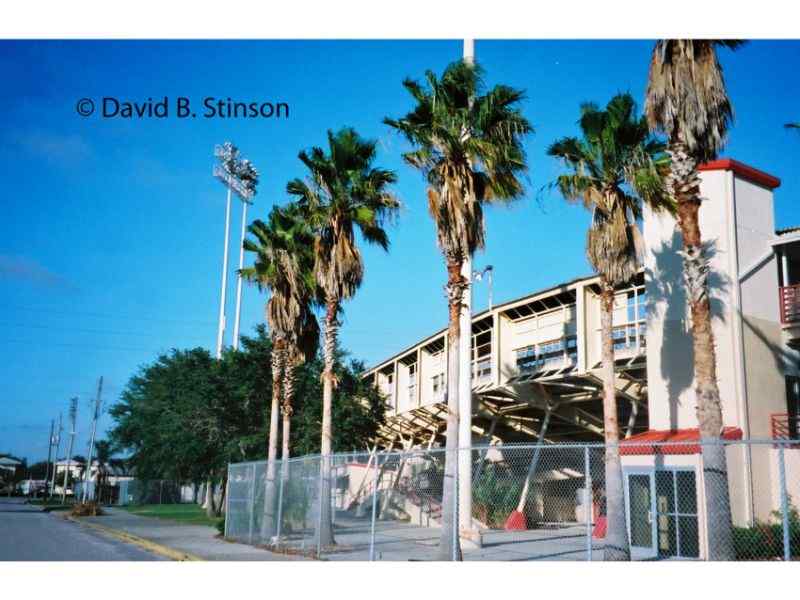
{"type": "Point", "coordinates": [153, 547]}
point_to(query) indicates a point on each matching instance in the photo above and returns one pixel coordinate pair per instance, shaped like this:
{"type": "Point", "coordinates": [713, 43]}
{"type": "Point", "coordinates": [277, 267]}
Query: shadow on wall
{"type": "Point", "coordinates": [667, 289]}
{"type": "Point", "coordinates": [785, 358]}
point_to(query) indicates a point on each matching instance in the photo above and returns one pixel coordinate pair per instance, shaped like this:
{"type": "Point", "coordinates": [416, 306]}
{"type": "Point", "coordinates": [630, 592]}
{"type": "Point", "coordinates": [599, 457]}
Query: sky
{"type": "Point", "coordinates": [112, 231]}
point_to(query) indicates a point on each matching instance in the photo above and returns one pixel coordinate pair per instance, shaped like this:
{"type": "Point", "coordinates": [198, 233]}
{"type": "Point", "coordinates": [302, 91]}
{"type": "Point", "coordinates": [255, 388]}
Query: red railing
{"type": "Point", "coordinates": [790, 303]}
{"type": "Point", "coordinates": [785, 426]}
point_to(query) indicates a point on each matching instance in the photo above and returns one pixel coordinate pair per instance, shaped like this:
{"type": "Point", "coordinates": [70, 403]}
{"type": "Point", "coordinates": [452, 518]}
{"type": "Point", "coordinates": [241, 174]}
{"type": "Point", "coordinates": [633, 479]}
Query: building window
{"type": "Point", "coordinates": [792, 409]}
{"type": "Point", "coordinates": [625, 336]}
{"type": "Point", "coordinates": [439, 385]}
{"type": "Point", "coordinates": [482, 355]}
{"type": "Point", "coordinates": [553, 354]}
{"type": "Point", "coordinates": [637, 305]}
{"type": "Point", "coordinates": [412, 382]}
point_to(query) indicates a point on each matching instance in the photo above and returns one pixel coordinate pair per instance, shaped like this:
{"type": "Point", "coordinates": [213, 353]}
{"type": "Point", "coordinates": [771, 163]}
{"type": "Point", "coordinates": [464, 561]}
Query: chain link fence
{"type": "Point", "coordinates": [152, 491]}
{"type": "Point", "coordinates": [527, 502]}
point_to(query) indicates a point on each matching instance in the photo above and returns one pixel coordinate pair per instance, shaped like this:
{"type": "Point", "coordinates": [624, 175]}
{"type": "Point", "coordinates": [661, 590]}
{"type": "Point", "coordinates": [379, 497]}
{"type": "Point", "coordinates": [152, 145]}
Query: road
{"type": "Point", "coordinates": [26, 533]}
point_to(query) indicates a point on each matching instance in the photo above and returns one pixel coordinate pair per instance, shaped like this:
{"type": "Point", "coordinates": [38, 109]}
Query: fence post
{"type": "Point", "coordinates": [319, 506]}
{"type": "Point", "coordinates": [160, 491]}
{"type": "Point", "coordinates": [227, 500]}
{"type": "Point", "coordinates": [284, 470]}
{"type": "Point", "coordinates": [588, 501]}
{"type": "Point", "coordinates": [787, 552]}
{"type": "Point", "coordinates": [374, 509]}
{"type": "Point", "coordinates": [252, 503]}
{"type": "Point", "coordinates": [455, 508]}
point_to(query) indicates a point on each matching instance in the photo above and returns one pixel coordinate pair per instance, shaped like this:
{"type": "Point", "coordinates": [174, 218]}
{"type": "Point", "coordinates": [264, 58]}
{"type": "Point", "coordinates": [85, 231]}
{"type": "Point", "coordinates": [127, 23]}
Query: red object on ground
{"type": "Point", "coordinates": [600, 526]}
{"type": "Point", "coordinates": [516, 521]}
{"type": "Point", "coordinates": [642, 442]}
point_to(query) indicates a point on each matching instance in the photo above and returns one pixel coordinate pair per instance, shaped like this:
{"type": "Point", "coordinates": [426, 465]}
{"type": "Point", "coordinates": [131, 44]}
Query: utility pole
{"type": "Point", "coordinates": [239, 176]}
{"type": "Point", "coordinates": [55, 458]}
{"type": "Point", "coordinates": [95, 416]}
{"type": "Point", "coordinates": [465, 379]}
{"type": "Point", "coordinates": [49, 451]}
{"type": "Point", "coordinates": [73, 415]}
{"type": "Point", "coordinates": [486, 272]}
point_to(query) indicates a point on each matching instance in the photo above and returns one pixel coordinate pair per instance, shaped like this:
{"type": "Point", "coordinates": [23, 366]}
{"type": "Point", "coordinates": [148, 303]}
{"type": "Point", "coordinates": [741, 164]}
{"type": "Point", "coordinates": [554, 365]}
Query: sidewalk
{"type": "Point", "coordinates": [197, 542]}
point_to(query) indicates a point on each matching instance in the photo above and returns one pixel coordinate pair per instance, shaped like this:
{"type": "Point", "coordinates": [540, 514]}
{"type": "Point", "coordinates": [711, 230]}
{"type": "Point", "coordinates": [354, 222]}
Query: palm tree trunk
{"type": "Point", "coordinates": [449, 544]}
{"type": "Point", "coordinates": [288, 394]}
{"type": "Point", "coordinates": [268, 523]}
{"type": "Point", "coordinates": [286, 411]}
{"type": "Point", "coordinates": [616, 543]}
{"type": "Point", "coordinates": [324, 535]}
{"type": "Point", "coordinates": [207, 495]}
{"type": "Point", "coordinates": [685, 183]}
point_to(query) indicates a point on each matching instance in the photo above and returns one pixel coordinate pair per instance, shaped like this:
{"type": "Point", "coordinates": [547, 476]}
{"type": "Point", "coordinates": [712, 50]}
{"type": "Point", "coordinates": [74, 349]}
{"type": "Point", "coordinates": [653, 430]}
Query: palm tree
{"type": "Point", "coordinates": [687, 101]}
{"type": "Point", "coordinates": [300, 349]}
{"type": "Point", "coordinates": [468, 146]}
{"type": "Point", "coordinates": [277, 268]}
{"type": "Point", "coordinates": [303, 343]}
{"type": "Point", "coordinates": [344, 192]}
{"type": "Point", "coordinates": [615, 166]}
{"type": "Point", "coordinates": [103, 451]}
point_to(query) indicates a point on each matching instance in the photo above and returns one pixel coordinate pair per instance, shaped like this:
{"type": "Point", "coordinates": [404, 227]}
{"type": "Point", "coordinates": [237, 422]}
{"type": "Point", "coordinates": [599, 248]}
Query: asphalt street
{"type": "Point", "coordinates": [26, 533]}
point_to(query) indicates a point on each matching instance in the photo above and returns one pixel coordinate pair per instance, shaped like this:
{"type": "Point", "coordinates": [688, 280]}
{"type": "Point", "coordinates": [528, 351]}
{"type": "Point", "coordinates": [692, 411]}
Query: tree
{"type": "Point", "coordinates": [468, 146]}
{"type": "Point", "coordinates": [615, 166]}
{"type": "Point", "coordinates": [177, 418]}
{"type": "Point", "coordinates": [185, 416]}
{"type": "Point", "coordinates": [282, 266]}
{"type": "Point", "coordinates": [344, 192]}
{"type": "Point", "coordinates": [686, 99]}
{"type": "Point", "coordinates": [103, 451]}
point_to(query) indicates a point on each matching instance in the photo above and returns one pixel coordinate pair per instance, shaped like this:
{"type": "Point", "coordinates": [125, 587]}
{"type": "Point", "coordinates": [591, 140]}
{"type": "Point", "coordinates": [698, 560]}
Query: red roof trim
{"type": "Point", "coordinates": [657, 442]}
{"type": "Point", "coordinates": [742, 170]}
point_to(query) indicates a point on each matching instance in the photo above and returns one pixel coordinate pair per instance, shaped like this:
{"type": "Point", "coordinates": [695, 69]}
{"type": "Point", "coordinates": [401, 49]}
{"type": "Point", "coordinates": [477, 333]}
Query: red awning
{"type": "Point", "coordinates": [657, 442]}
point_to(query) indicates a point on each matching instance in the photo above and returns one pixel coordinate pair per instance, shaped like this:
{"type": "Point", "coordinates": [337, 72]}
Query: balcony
{"type": "Point", "coordinates": [785, 426]}
{"type": "Point", "coordinates": [790, 304]}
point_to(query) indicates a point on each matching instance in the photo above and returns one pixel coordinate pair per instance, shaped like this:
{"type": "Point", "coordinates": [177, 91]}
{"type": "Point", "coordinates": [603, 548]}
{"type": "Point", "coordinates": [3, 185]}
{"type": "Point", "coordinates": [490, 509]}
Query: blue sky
{"type": "Point", "coordinates": [111, 236]}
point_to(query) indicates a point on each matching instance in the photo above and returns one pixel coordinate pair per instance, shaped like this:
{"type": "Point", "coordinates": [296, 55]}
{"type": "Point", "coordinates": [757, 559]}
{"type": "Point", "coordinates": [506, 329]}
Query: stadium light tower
{"type": "Point", "coordinates": [249, 177]}
{"type": "Point", "coordinates": [229, 170]}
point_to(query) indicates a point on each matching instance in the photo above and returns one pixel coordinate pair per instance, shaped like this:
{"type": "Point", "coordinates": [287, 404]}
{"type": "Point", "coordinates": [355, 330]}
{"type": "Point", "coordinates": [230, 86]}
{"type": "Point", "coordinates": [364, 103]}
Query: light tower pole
{"type": "Point", "coordinates": [465, 385]}
{"type": "Point", "coordinates": [234, 173]}
{"type": "Point", "coordinates": [249, 176]}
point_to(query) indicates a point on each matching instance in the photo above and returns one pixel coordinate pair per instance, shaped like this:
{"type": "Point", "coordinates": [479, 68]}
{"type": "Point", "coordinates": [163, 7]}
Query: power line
{"type": "Point", "coordinates": [82, 330]}
{"type": "Point", "coordinates": [115, 316]}
{"type": "Point", "coordinates": [90, 346]}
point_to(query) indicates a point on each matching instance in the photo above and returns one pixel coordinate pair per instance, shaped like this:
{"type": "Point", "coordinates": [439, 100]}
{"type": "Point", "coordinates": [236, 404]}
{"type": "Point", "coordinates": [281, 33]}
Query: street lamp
{"type": "Point", "coordinates": [240, 177]}
{"type": "Point", "coordinates": [487, 272]}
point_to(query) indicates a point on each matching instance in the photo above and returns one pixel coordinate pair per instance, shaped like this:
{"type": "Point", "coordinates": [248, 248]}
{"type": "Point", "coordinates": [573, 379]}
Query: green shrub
{"type": "Point", "coordinates": [764, 541]}
{"type": "Point", "coordinates": [495, 495]}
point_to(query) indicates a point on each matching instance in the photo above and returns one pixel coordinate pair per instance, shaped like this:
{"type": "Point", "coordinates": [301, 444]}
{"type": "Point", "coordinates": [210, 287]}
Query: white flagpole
{"type": "Point", "coordinates": [465, 382]}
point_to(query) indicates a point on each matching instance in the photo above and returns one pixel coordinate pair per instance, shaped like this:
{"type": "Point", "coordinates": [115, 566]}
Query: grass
{"type": "Point", "coordinates": [191, 514]}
